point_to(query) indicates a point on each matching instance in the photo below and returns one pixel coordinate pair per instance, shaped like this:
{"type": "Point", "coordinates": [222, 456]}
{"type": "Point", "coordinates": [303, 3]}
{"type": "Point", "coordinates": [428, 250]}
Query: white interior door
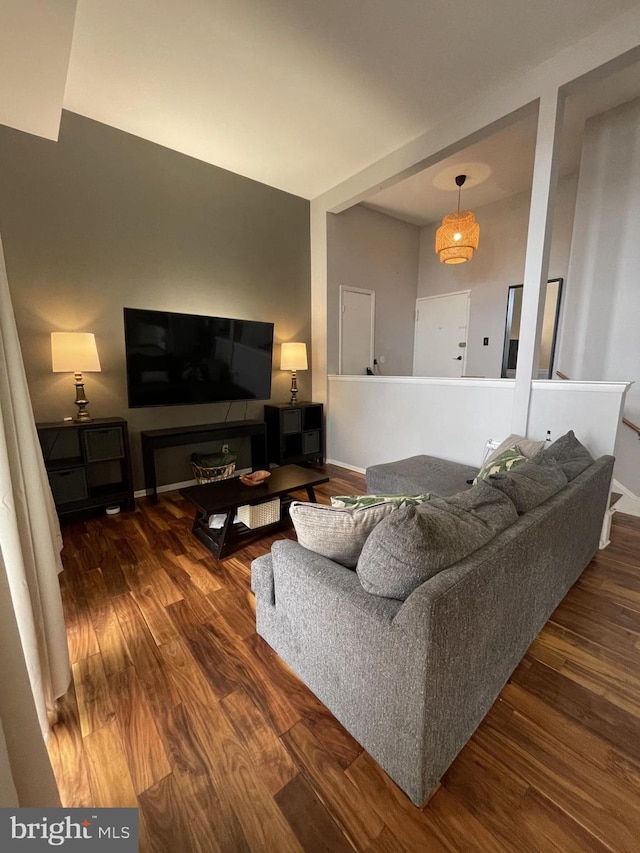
{"type": "Point", "coordinates": [441, 329]}
{"type": "Point", "coordinates": [357, 322]}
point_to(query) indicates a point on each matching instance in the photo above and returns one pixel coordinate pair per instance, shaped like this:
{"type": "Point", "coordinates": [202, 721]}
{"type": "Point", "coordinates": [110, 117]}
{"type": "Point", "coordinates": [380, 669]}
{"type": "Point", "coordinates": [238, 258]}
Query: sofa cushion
{"type": "Point", "coordinates": [510, 458]}
{"type": "Point", "coordinates": [418, 474]}
{"type": "Point", "coordinates": [532, 483]}
{"type": "Point", "coordinates": [369, 500]}
{"type": "Point", "coordinates": [573, 456]}
{"type": "Point", "coordinates": [415, 543]}
{"type": "Point", "coordinates": [336, 532]}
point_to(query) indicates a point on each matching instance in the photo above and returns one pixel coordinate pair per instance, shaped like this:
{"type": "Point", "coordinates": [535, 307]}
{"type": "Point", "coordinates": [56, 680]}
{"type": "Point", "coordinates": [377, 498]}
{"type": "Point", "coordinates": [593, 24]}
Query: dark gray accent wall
{"type": "Point", "coordinates": [101, 220]}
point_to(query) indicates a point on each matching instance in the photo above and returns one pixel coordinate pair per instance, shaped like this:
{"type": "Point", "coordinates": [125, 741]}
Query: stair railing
{"type": "Point", "coordinates": [625, 421]}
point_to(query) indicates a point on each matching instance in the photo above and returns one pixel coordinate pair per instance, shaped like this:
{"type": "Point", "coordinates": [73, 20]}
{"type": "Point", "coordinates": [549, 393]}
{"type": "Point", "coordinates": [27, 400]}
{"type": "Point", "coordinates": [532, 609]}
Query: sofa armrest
{"type": "Point", "coordinates": [296, 571]}
{"type": "Point", "coordinates": [262, 579]}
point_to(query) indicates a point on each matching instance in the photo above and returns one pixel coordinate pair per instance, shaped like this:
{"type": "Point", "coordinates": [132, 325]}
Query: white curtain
{"type": "Point", "coordinates": [30, 539]}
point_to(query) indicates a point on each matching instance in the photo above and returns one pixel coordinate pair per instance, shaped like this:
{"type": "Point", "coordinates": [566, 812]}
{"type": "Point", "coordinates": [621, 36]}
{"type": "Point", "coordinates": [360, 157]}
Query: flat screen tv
{"type": "Point", "coordinates": [180, 359]}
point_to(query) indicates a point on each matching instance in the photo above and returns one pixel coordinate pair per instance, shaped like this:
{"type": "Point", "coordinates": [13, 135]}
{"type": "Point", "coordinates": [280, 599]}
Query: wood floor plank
{"type": "Point", "coordinates": [201, 577]}
{"type": "Point", "coordinates": [386, 842]}
{"type": "Point", "coordinates": [546, 819]}
{"type": "Point", "coordinates": [155, 615]}
{"type": "Point", "coordinates": [145, 655]}
{"type": "Point", "coordinates": [595, 712]}
{"type": "Point", "coordinates": [112, 645]}
{"type": "Point", "coordinates": [210, 655]}
{"type": "Point", "coordinates": [81, 636]}
{"type": "Point", "coordinates": [493, 792]}
{"type": "Point", "coordinates": [198, 603]}
{"type": "Point", "coordinates": [146, 757]}
{"type": "Point", "coordinates": [184, 672]}
{"type": "Point", "coordinates": [92, 693]}
{"type": "Point", "coordinates": [312, 824]}
{"type": "Point", "coordinates": [257, 682]}
{"type": "Point", "coordinates": [108, 769]}
{"type": "Point", "coordinates": [356, 817]}
{"type": "Point", "coordinates": [238, 617]}
{"type": "Point", "coordinates": [165, 590]}
{"type": "Point", "coordinates": [164, 812]}
{"type": "Point", "coordinates": [239, 782]}
{"type": "Point", "coordinates": [214, 823]}
{"type": "Point", "coordinates": [262, 744]}
{"type": "Point", "coordinates": [607, 760]}
{"type": "Point", "coordinates": [591, 798]}
{"type": "Point", "coordinates": [67, 755]}
{"type": "Point", "coordinates": [409, 825]}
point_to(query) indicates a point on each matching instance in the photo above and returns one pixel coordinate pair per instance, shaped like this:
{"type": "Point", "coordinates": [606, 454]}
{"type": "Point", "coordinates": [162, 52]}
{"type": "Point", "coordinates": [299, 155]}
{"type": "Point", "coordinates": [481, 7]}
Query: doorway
{"type": "Point", "coordinates": [440, 343]}
{"type": "Point", "coordinates": [548, 331]}
{"type": "Point", "coordinates": [357, 324]}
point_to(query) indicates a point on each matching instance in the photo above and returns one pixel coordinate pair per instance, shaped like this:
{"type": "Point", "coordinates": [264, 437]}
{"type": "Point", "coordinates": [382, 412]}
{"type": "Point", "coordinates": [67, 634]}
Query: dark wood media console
{"type": "Point", "coordinates": [155, 439]}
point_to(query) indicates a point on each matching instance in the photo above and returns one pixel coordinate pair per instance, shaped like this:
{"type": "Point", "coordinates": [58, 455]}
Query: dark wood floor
{"type": "Point", "coordinates": [180, 708]}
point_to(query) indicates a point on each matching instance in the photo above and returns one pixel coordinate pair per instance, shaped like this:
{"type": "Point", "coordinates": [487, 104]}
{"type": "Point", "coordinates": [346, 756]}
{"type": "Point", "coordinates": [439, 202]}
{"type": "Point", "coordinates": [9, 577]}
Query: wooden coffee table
{"type": "Point", "coordinates": [225, 496]}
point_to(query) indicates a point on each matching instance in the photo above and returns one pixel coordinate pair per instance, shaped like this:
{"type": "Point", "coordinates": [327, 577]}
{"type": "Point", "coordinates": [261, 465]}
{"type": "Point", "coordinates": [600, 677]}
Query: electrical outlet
{"type": "Point", "coordinates": [225, 448]}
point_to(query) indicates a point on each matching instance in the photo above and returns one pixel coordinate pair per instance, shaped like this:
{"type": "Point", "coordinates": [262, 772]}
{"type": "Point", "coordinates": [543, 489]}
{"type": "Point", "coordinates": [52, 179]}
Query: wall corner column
{"type": "Point", "coordinates": [319, 301]}
{"type": "Point", "coordinates": [537, 255]}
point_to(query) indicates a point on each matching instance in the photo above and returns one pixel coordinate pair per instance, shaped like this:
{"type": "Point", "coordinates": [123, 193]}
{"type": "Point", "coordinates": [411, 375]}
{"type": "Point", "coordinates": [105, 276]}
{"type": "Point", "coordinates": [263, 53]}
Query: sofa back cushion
{"type": "Point", "coordinates": [415, 543]}
{"type": "Point", "coordinates": [532, 483]}
{"type": "Point", "coordinates": [336, 532]}
{"type": "Point", "coordinates": [571, 454]}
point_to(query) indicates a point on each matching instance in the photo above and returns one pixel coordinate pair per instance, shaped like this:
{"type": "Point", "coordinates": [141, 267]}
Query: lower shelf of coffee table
{"type": "Point", "coordinates": [228, 538]}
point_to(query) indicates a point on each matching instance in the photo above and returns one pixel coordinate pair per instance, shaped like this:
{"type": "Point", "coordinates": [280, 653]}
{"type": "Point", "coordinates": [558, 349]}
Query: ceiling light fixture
{"type": "Point", "coordinates": [458, 235]}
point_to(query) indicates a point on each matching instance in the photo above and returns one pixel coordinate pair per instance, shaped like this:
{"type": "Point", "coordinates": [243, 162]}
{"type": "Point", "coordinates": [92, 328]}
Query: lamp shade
{"type": "Point", "coordinates": [74, 352]}
{"type": "Point", "coordinates": [457, 237]}
{"type": "Point", "coordinates": [293, 356]}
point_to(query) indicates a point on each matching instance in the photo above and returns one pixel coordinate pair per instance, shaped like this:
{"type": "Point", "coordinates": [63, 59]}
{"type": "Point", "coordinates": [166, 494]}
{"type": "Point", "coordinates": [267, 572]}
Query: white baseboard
{"type": "Point", "coordinates": [170, 487]}
{"type": "Point", "coordinates": [628, 503]}
{"type": "Point", "coordinates": [344, 465]}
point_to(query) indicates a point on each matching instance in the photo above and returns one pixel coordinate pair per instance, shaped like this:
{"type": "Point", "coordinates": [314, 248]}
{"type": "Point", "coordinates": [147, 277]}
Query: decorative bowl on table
{"type": "Point", "coordinates": [255, 478]}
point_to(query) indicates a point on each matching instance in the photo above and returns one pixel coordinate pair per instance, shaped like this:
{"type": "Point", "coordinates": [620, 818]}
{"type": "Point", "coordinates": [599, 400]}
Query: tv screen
{"type": "Point", "coordinates": [181, 359]}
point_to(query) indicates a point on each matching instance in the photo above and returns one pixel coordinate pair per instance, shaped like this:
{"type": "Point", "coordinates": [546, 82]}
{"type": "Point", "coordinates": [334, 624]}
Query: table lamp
{"type": "Point", "coordinates": [293, 357]}
{"type": "Point", "coordinates": [75, 352]}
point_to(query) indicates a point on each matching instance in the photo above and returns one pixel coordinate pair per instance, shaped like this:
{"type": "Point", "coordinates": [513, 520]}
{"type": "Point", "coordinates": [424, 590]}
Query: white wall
{"type": "Point", "coordinates": [601, 331]}
{"type": "Point", "coordinates": [369, 250]}
{"type": "Point", "coordinates": [35, 44]}
{"type": "Point", "coordinates": [497, 264]}
{"type": "Point", "coordinates": [381, 419]}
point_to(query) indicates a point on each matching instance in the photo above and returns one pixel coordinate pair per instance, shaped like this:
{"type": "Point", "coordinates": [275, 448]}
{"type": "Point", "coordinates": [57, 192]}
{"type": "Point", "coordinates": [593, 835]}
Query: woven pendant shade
{"type": "Point", "coordinates": [457, 237]}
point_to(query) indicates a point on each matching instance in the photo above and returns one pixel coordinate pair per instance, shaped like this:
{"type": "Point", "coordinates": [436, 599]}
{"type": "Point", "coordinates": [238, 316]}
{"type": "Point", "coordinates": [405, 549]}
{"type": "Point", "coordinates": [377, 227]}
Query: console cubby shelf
{"type": "Point", "coordinates": [295, 433]}
{"type": "Point", "coordinates": [88, 464]}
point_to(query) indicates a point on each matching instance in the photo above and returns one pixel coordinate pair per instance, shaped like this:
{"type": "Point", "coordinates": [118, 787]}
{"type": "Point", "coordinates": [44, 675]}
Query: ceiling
{"type": "Point", "coordinates": [301, 94]}
{"type": "Point", "coordinates": [501, 164]}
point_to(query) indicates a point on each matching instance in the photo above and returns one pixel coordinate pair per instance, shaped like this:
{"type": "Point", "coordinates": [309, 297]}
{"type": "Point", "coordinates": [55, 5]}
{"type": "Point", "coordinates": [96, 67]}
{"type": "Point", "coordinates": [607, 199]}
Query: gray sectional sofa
{"type": "Point", "coordinates": [412, 679]}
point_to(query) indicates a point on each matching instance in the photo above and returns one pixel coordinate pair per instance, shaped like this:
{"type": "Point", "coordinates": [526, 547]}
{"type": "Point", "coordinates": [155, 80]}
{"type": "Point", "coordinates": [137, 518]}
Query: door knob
{"type": "Point", "coordinates": [458, 358]}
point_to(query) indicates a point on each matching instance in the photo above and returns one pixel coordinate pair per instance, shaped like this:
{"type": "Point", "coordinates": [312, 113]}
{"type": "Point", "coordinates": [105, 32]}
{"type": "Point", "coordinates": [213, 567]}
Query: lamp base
{"type": "Point", "coordinates": [294, 388]}
{"type": "Point", "coordinates": [81, 402]}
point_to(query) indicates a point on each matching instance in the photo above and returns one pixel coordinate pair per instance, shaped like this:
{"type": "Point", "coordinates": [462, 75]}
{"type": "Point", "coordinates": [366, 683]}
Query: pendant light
{"type": "Point", "coordinates": [458, 235]}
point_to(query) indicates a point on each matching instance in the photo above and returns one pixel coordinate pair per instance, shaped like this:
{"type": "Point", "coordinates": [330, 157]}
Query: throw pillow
{"type": "Point", "coordinates": [532, 483]}
{"type": "Point", "coordinates": [571, 454]}
{"type": "Point", "coordinates": [370, 500]}
{"type": "Point", "coordinates": [336, 532]}
{"type": "Point", "coordinates": [527, 446]}
{"type": "Point", "coordinates": [415, 543]}
{"type": "Point", "coordinates": [508, 459]}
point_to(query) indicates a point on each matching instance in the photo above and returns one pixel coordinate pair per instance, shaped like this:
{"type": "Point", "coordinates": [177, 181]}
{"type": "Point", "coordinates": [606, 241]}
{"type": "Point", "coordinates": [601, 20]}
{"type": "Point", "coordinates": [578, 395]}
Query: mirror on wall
{"type": "Point", "coordinates": [549, 331]}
